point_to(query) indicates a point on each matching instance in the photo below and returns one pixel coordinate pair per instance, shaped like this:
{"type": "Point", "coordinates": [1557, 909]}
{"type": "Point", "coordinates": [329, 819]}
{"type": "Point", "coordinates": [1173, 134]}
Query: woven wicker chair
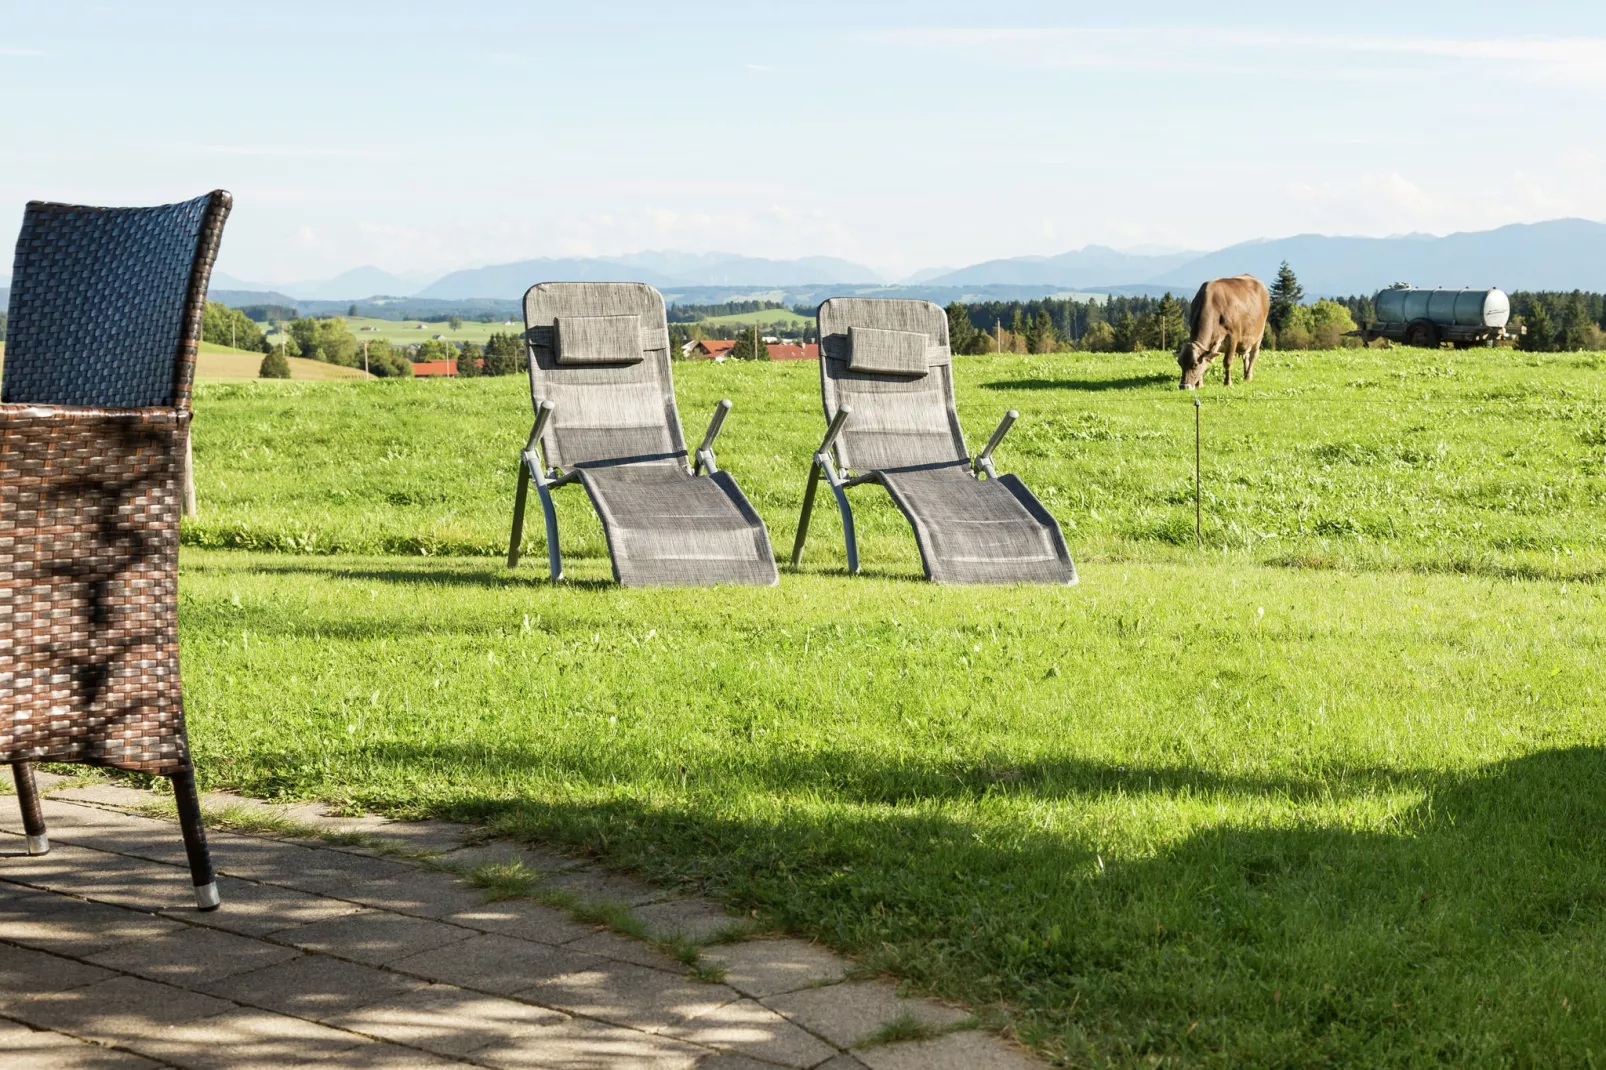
{"type": "Point", "coordinates": [605, 417]}
{"type": "Point", "coordinates": [886, 378]}
{"type": "Point", "coordinates": [104, 321]}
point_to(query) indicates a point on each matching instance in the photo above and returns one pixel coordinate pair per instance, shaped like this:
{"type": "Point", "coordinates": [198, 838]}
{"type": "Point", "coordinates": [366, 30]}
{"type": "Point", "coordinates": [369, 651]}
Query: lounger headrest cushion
{"type": "Point", "coordinates": [598, 339]}
{"type": "Point", "coordinates": [886, 352]}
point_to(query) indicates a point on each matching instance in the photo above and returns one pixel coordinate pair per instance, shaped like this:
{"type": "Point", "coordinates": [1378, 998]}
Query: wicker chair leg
{"type": "Point", "coordinates": [33, 815]}
{"type": "Point", "coordinates": [189, 819]}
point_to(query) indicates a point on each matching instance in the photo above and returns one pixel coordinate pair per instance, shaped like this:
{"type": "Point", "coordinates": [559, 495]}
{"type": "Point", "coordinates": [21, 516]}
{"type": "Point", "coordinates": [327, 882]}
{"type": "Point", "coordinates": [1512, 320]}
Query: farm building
{"type": "Point", "coordinates": [425, 369]}
{"type": "Point", "coordinates": [791, 352]}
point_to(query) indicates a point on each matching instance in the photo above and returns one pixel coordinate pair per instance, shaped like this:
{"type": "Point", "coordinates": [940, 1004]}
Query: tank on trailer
{"type": "Point", "coordinates": [1429, 317]}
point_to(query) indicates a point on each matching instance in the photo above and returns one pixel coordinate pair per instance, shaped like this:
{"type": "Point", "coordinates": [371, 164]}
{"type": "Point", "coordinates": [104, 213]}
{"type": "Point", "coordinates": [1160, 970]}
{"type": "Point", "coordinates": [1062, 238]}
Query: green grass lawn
{"type": "Point", "coordinates": [1330, 790]}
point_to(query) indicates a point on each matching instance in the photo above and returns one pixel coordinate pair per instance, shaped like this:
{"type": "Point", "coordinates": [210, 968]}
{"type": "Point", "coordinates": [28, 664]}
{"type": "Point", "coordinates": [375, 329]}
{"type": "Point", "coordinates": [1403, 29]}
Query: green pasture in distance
{"type": "Point", "coordinates": [1330, 790]}
{"type": "Point", "coordinates": [408, 332]}
{"type": "Point", "coordinates": [780, 317]}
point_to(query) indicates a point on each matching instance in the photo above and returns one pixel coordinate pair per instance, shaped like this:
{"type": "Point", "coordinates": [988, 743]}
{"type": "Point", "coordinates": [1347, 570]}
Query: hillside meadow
{"type": "Point", "coordinates": [1327, 790]}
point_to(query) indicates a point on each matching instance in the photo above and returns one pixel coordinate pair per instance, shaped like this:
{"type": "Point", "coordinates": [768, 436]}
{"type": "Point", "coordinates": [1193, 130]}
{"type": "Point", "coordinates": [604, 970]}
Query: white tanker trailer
{"type": "Point", "coordinates": [1428, 317]}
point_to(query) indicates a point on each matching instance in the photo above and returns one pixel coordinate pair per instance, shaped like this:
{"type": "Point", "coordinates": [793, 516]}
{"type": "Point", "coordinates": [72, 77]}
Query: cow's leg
{"type": "Point", "coordinates": [1227, 352]}
{"type": "Point", "coordinates": [1250, 353]}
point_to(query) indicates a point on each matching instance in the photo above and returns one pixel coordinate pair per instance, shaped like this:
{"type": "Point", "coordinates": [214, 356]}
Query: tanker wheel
{"type": "Point", "coordinates": [1422, 334]}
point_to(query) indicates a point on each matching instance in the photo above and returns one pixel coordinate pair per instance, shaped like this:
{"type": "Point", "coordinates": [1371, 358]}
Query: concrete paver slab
{"type": "Point", "coordinates": [748, 1028]}
{"type": "Point", "coordinates": [68, 926]}
{"type": "Point", "coordinates": [770, 967]}
{"type": "Point", "coordinates": [527, 921]}
{"type": "Point", "coordinates": [30, 1049]}
{"type": "Point", "coordinates": [259, 909]}
{"type": "Point", "coordinates": [595, 886]}
{"type": "Point", "coordinates": [447, 1020]}
{"type": "Point", "coordinates": [315, 986]}
{"type": "Point", "coordinates": [966, 1050]}
{"type": "Point", "coordinates": [622, 993]}
{"type": "Point", "coordinates": [373, 936]}
{"type": "Point", "coordinates": [581, 1045]}
{"type": "Point", "coordinates": [846, 1013]}
{"type": "Point", "coordinates": [694, 919]}
{"type": "Point", "coordinates": [611, 945]}
{"type": "Point", "coordinates": [26, 970]}
{"type": "Point", "coordinates": [192, 956]}
{"type": "Point", "coordinates": [424, 894]}
{"type": "Point", "coordinates": [246, 1039]}
{"type": "Point", "coordinates": [491, 962]}
{"type": "Point", "coordinates": [115, 1010]}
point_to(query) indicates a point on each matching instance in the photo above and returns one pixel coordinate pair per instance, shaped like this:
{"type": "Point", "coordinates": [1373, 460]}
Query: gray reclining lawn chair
{"type": "Point", "coordinates": [605, 417]}
{"type": "Point", "coordinates": [886, 378]}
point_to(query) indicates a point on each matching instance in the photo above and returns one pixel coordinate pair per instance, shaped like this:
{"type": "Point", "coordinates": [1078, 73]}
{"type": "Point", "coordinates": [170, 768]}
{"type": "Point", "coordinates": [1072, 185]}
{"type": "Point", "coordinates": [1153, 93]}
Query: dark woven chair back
{"type": "Point", "coordinates": [104, 323]}
{"type": "Point", "coordinates": [606, 413]}
{"type": "Point", "coordinates": [106, 303]}
{"type": "Point", "coordinates": [899, 421]}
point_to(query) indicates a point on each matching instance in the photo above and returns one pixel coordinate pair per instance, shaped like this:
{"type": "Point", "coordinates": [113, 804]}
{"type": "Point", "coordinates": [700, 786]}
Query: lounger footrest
{"type": "Point", "coordinates": [980, 531]}
{"type": "Point", "coordinates": [665, 527]}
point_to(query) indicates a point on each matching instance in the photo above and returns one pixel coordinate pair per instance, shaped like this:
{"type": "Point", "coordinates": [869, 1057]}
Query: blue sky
{"type": "Point", "coordinates": [428, 137]}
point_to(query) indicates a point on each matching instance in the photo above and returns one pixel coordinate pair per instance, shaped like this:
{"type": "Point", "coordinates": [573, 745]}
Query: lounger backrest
{"type": "Point", "coordinates": [106, 303]}
{"type": "Point", "coordinates": [599, 351]}
{"type": "Point", "coordinates": [903, 407]}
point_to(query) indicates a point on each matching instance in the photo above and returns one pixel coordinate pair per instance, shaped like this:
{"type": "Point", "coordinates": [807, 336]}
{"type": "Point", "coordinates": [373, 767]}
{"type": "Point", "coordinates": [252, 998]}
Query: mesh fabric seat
{"type": "Point", "coordinates": [606, 418]}
{"type": "Point", "coordinates": [104, 320]}
{"type": "Point", "coordinates": [886, 379]}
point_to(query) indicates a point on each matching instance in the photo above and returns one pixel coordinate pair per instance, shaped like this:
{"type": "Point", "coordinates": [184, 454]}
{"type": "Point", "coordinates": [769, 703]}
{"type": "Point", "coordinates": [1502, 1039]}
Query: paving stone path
{"type": "Point", "coordinates": [369, 950]}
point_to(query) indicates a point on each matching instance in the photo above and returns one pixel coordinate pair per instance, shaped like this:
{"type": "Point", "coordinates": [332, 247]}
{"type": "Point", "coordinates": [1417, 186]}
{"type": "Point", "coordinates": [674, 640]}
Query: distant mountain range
{"type": "Point", "coordinates": [1563, 254]}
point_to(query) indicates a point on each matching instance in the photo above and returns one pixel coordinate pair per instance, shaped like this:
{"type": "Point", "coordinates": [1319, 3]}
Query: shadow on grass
{"type": "Point", "coordinates": [1466, 929]}
{"type": "Point", "coordinates": [491, 574]}
{"type": "Point", "coordinates": [1131, 382]}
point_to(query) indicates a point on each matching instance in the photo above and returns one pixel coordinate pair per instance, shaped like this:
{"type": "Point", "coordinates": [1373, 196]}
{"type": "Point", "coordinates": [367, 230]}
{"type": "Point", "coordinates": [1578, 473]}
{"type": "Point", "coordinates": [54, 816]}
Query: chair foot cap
{"type": "Point", "coordinates": [39, 845]}
{"type": "Point", "coordinates": [206, 897]}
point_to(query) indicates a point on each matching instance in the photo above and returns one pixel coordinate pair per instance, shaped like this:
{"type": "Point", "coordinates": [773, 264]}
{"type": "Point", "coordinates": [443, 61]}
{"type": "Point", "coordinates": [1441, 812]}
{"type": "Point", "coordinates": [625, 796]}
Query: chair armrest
{"type": "Point", "coordinates": [984, 459]}
{"type": "Point", "coordinates": [837, 423]}
{"type": "Point", "coordinates": [705, 452]}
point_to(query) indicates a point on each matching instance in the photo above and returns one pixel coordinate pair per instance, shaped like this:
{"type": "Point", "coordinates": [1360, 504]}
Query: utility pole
{"type": "Point", "coordinates": [365, 356]}
{"type": "Point", "coordinates": [998, 335]}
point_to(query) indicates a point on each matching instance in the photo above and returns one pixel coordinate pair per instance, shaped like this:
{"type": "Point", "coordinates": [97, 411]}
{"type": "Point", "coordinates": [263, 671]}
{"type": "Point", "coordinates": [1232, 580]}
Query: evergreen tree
{"type": "Point", "coordinates": [504, 354]}
{"type": "Point", "coordinates": [1286, 295]}
{"type": "Point", "coordinates": [1017, 327]}
{"type": "Point", "coordinates": [1127, 334]}
{"type": "Point", "coordinates": [1540, 336]}
{"type": "Point", "coordinates": [962, 334]}
{"type": "Point", "coordinates": [468, 361]}
{"type": "Point", "coordinates": [1167, 326]}
{"type": "Point", "coordinates": [1572, 328]}
{"type": "Point", "coordinates": [274, 366]}
{"type": "Point", "coordinates": [749, 346]}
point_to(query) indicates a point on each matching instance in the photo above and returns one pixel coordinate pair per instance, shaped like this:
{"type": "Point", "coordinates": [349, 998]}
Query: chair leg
{"type": "Point", "coordinates": [189, 820]}
{"type": "Point", "coordinates": [33, 815]}
{"type": "Point", "coordinates": [848, 535]}
{"type": "Point", "coordinates": [554, 555]}
{"type": "Point", "coordinates": [808, 513]}
{"type": "Point", "coordinates": [519, 498]}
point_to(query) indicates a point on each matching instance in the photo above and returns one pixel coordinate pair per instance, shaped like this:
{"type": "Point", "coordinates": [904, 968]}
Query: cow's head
{"type": "Point", "coordinates": [1194, 361]}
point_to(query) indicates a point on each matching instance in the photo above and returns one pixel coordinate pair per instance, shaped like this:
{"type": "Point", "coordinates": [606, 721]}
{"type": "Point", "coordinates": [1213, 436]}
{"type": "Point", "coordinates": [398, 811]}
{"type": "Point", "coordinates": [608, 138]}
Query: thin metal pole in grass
{"type": "Point", "coordinates": [1198, 507]}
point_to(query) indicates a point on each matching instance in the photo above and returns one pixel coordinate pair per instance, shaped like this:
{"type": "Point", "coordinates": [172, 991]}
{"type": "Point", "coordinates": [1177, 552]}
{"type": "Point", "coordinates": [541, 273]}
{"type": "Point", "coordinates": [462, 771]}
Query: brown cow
{"type": "Point", "coordinates": [1228, 313]}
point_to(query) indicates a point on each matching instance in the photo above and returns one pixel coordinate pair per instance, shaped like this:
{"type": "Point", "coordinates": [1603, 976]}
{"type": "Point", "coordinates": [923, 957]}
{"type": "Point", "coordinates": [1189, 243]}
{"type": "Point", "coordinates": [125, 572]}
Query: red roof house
{"type": "Point", "coordinates": [781, 352]}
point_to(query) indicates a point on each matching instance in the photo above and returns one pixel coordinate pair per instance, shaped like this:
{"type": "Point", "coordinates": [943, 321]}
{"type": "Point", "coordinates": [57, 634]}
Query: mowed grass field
{"type": "Point", "coordinates": [1328, 791]}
